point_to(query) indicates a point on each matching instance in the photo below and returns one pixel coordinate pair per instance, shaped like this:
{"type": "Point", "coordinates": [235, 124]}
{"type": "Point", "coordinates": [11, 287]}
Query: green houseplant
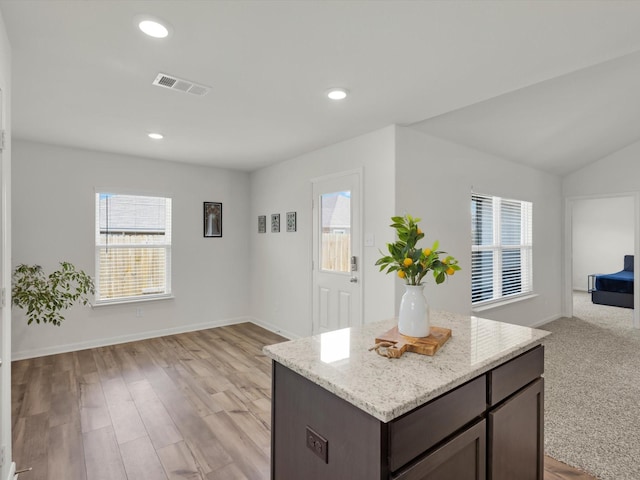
{"type": "Point", "coordinates": [43, 297]}
{"type": "Point", "coordinates": [412, 264]}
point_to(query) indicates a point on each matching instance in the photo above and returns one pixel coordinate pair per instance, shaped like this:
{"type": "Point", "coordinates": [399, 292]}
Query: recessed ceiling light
{"type": "Point", "coordinates": [156, 136]}
{"type": "Point", "coordinates": [153, 28]}
{"type": "Point", "coordinates": [337, 93]}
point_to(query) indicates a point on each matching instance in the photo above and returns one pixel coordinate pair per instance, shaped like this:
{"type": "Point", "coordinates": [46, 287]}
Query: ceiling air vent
{"type": "Point", "coordinates": [174, 83]}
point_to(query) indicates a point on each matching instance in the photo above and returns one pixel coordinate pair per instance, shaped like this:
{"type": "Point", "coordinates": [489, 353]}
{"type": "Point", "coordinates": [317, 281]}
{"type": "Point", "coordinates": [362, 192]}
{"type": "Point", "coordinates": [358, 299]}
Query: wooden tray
{"type": "Point", "coordinates": [422, 345]}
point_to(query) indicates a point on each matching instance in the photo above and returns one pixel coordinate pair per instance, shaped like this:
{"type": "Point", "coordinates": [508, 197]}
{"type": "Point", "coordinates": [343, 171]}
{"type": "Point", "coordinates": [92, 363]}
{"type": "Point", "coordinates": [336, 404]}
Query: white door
{"type": "Point", "coordinates": [337, 279]}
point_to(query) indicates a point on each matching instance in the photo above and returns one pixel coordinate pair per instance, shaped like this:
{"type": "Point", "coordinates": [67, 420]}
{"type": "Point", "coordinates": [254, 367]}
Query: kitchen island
{"type": "Point", "coordinates": [474, 410]}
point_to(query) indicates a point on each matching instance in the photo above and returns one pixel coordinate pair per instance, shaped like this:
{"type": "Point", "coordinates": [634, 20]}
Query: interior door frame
{"type": "Point", "coordinates": [567, 300]}
{"type": "Point", "coordinates": [8, 467]}
{"type": "Point", "coordinates": [359, 240]}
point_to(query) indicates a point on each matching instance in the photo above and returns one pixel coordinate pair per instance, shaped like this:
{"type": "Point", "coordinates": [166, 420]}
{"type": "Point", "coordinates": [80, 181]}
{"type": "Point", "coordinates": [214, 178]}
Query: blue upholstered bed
{"type": "Point", "coordinates": [615, 289]}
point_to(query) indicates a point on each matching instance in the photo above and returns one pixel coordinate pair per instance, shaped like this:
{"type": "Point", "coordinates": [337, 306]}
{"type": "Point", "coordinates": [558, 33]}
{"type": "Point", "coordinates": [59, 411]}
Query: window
{"type": "Point", "coordinates": [501, 252]}
{"type": "Point", "coordinates": [335, 253]}
{"type": "Point", "coordinates": [133, 247]}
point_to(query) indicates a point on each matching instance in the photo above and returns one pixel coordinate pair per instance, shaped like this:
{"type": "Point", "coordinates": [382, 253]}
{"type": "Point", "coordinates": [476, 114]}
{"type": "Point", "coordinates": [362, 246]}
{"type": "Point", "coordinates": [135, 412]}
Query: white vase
{"type": "Point", "coordinates": [413, 319]}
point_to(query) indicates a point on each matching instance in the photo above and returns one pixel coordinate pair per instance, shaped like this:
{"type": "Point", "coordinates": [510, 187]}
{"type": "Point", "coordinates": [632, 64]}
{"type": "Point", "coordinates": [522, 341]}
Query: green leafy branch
{"type": "Point", "coordinates": [413, 263]}
{"type": "Point", "coordinates": [44, 297]}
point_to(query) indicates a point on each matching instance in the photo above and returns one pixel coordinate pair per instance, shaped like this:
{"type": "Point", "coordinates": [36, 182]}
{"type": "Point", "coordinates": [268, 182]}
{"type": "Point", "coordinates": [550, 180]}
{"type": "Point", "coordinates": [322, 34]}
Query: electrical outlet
{"type": "Point", "coordinates": [318, 445]}
{"type": "Point", "coordinates": [2, 449]}
{"type": "Point", "coordinates": [138, 312]}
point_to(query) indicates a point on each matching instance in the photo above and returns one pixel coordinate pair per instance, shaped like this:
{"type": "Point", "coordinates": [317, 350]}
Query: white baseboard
{"type": "Point", "coordinates": [545, 321]}
{"type": "Point", "coordinates": [274, 328]}
{"type": "Point", "coordinates": [103, 342]}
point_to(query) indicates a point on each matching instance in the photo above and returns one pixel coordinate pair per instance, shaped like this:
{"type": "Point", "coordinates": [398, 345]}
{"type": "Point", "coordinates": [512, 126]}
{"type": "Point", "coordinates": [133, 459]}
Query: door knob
{"type": "Point", "coordinates": [354, 280]}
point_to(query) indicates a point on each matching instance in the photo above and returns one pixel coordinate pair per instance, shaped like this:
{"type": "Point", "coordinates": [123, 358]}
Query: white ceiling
{"type": "Point", "coordinates": [559, 125]}
{"type": "Point", "coordinates": [553, 84]}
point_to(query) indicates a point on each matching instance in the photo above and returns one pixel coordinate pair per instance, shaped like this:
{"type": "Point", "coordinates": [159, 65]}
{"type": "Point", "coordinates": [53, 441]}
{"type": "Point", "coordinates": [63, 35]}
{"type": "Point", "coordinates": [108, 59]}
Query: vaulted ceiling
{"type": "Point", "coordinates": [551, 84]}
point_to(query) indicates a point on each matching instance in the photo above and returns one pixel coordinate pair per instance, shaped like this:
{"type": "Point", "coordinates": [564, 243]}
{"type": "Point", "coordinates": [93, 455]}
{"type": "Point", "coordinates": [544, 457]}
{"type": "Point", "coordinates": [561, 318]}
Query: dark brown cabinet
{"type": "Point", "coordinates": [462, 458]}
{"type": "Point", "coordinates": [516, 439]}
{"type": "Point", "coordinates": [488, 428]}
{"type": "Point", "coordinates": [354, 439]}
{"type": "Point", "coordinates": [418, 431]}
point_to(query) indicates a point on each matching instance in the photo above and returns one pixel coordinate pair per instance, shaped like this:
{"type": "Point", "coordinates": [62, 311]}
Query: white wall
{"type": "Point", "coordinates": [281, 262]}
{"type": "Point", "coordinates": [602, 235]}
{"type": "Point", "coordinates": [405, 171]}
{"type": "Point", "coordinates": [53, 212]}
{"type": "Point", "coordinates": [267, 277]}
{"type": "Point", "coordinates": [618, 173]}
{"type": "Point", "coordinates": [5, 253]}
{"type": "Point", "coordinates": [434, 180]}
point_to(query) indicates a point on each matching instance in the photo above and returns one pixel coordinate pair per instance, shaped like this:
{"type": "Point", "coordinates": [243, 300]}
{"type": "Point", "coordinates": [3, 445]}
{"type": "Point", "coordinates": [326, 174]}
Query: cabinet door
{"type": "Point", "coordinates": [516, 439]}
{"type": "Point", "coordinates": [462, 458]}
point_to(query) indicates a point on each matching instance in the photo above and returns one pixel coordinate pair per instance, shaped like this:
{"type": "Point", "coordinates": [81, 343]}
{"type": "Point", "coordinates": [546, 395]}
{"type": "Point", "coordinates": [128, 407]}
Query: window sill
{"type": "Point", "coordinates": [121, 301]}
{"type": "Point", "coordinates": [502, 302]}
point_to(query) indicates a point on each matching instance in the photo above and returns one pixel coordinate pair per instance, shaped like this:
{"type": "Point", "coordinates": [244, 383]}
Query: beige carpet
{"type": "Point", "coordinates": [592, 390]}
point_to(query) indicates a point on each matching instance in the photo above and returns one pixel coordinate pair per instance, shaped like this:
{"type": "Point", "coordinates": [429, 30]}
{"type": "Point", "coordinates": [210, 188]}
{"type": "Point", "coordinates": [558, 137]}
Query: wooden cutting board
{"type": "Point", "coordinates": [422, 345]}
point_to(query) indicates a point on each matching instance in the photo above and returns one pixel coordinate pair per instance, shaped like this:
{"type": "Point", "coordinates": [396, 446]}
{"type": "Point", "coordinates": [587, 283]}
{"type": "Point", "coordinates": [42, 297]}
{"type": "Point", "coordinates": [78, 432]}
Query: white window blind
{"type": "Point", "coordinates": [502, 248]}
{"type": "Point", "coordinates": [133, 247]}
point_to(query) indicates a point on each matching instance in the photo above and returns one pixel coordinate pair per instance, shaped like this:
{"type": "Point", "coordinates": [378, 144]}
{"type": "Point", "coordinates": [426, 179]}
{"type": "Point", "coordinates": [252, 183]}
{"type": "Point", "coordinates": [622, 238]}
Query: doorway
{"type": "Point", "coordinates": [337, 244]}
{"type": "Point", "coordinates": [603, 237]}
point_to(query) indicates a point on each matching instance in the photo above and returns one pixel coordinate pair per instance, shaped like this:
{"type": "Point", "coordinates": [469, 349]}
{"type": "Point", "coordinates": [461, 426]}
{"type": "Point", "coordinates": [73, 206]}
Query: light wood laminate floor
{"type": "Point", "coordinates": [191, 406]}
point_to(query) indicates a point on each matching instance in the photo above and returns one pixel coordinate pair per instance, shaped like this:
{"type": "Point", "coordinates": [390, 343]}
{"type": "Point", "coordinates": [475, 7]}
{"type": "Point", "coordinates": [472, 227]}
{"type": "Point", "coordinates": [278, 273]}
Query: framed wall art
{"type": "Point", "coordinates": [291, 221]}
{"type": "Point", "coordinates": [212, 219]}
{"type": "Point", "coordinates": [275, 223]}
{"type": "Point", "coordinates": [262, 224]}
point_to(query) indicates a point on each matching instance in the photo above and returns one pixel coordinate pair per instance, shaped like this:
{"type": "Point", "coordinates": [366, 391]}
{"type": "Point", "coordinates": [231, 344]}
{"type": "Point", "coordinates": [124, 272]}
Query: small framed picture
{"type": "Point", "coordinates": [291, 221]}
{"type": "Point", "coordinates": [212, 219]}
{"type": "Point", "coordinates": [275, 223]}
{"type": "Point", "coordinates": [262, 224]}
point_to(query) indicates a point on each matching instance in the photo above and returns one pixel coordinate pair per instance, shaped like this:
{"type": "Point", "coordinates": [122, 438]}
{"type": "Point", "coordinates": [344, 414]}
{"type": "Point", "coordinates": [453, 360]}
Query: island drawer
{"type": "Point", "coordinates": [419, 430]}
{"type": "Point", "coordinates": [507, 379]}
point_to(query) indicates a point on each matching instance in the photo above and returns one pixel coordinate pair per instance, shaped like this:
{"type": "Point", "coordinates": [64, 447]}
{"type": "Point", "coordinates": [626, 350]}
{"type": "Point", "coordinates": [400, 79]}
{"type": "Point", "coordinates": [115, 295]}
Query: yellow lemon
{"type": "Point", "coordinates": [427, 252]}
{"type": "Point", "coordinates": [445, 261]}
{"type": "Point", "coordinates": [401, 274]}
{"type": "Point", "coordinates": [407, 262]}
{"type": "Point", "coordinates": [419, 231]}
{"type": "Point", "coordinates": [450, 271]}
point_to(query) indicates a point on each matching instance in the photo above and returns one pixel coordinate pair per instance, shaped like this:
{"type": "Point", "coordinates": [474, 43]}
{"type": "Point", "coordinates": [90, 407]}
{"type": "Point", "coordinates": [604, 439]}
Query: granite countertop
{"type": "Point", "coordinates": [340, 361]}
